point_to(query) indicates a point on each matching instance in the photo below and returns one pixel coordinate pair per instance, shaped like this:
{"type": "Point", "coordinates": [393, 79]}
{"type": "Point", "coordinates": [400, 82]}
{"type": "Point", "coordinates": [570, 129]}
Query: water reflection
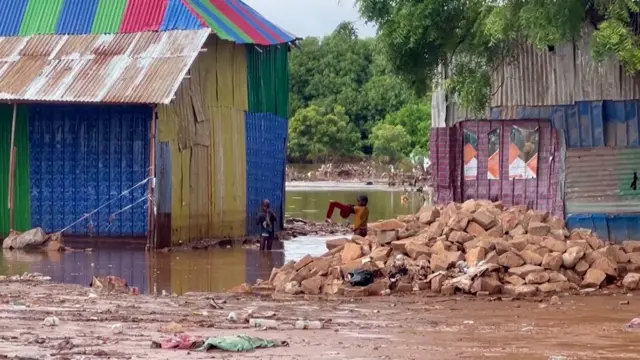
{"type": "Point", "coordinates": [206, 271]}
{"type": "Point", "coordinates": [203, 271]}
{"type": "Point", "coordinates": [312, 203]}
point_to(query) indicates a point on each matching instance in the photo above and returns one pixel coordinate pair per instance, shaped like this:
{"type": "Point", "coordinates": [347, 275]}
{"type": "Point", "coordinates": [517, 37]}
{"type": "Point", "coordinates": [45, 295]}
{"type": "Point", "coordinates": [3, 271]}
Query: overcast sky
{"type": "Point", "coordinates": [311, 17]}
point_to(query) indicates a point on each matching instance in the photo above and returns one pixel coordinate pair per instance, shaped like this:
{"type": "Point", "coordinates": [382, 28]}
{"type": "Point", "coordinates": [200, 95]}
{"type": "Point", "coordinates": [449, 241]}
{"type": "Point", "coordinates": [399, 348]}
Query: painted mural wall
{"type": "Point", "coordinates": [490, 160]}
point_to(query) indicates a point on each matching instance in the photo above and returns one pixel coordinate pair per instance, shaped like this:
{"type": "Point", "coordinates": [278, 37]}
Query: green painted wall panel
{"type": "Point", "coordinates": [41, 17]}
{"type": "Point", "coordinates": [268, 79]}
{"type": "Point", "coordinates": [109, 16]}
{"type": "Point", "coordinates": [22, 201]}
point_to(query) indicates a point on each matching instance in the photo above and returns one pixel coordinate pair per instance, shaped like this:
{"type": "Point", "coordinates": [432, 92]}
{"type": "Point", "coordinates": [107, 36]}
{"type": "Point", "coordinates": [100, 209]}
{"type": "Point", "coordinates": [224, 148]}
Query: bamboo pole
{"type": "Point", "coordinates": [12, 166]}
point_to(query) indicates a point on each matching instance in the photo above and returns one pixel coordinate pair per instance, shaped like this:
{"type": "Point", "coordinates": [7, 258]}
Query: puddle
{"type": "Point", "coordinates": [205, 271]}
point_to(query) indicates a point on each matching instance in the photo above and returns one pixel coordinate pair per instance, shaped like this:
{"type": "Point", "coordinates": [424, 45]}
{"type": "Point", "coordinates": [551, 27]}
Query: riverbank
{"type": "Point", "coordinates": [94, 325]}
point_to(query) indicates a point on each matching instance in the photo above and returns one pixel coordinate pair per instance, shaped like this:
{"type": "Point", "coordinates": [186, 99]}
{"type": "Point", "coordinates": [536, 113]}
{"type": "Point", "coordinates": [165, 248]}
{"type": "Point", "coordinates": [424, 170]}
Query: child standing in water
{"type": "Point", "coordinates": [266, 221]}
{"type": "Point", "coordinates": [360, 214]}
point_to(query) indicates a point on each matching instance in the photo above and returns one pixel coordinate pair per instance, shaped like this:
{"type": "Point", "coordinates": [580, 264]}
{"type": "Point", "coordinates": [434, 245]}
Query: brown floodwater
{"type": "Point", "coordinates": [213, 270]}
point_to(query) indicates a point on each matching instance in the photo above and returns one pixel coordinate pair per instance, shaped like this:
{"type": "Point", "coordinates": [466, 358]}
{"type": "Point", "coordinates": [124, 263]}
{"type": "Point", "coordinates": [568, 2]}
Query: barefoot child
{"type": "Point", "coordinates": [360, 214]}
{"type": "Point", "coordinates": [266, 220]}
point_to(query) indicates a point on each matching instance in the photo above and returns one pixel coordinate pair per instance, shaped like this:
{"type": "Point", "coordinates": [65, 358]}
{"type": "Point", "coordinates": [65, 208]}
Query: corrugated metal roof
{"type": "Point", "coordinates": [124, 68]}
{"type": "Point", "coordinates": [231, 20]}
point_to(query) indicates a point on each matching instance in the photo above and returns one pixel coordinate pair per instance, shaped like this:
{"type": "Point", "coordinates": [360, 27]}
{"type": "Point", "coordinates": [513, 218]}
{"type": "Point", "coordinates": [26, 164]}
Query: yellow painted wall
{"type": "Point", "coordinates": [205, 126]}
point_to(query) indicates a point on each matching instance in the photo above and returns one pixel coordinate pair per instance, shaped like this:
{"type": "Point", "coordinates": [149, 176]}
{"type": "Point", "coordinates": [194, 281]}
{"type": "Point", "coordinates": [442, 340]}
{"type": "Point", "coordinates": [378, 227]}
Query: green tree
{"type": "Point", "coordinates": [352, 73]}
{"type": "Point", "coordinates": [416, 121]}
{"type": "Point", "coordinates": [390, 143]}
{"type": "Point", "coordinates": [315, 134]}
{"type": "Point", "coordinates": [469, 39]}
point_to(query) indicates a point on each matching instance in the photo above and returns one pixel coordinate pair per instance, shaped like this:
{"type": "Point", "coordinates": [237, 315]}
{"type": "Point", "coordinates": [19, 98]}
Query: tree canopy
{"type": "Point", "coordinates": [417, 36]}
{"type": "Point", "coordinates": [343, 85]}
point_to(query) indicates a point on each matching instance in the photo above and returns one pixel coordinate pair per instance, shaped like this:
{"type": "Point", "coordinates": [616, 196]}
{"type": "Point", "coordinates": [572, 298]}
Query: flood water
{"type": "Point", "coordinates": [213, 270]}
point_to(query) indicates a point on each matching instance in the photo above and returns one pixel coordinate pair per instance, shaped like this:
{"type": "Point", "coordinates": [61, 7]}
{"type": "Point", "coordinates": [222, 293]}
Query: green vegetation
{"type": "Point", "coordinates": [471, 38]}
{"type": "Point", "coordinates": [343, 90]}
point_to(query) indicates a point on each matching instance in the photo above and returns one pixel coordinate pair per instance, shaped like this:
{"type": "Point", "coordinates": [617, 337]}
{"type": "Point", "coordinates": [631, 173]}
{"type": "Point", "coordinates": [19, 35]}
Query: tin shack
{"type": "Point", "coordinates": [134, 118]}
{"type": "Point", "coordinates": [561, 135]}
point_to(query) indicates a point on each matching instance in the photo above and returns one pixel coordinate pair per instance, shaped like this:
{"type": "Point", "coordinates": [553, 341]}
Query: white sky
{"type": "Point", "coordinates": [311, 17]}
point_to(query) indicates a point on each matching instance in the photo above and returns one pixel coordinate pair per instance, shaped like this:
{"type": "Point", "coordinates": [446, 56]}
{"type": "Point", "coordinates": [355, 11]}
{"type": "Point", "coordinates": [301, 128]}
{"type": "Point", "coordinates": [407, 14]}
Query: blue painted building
{"type": "Point", "coordinates": [594, 111]}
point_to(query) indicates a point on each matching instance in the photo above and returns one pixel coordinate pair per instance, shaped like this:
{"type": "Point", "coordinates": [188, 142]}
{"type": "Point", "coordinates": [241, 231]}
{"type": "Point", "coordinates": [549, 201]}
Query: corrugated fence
{"type": "Point", "coordinates": [205, 128]}
{"type": "Point", "coordinates": [22, 201]}
{"type": "Point", "coordinates": [84, 157]}
{"type": "Point", "coordinates": [602, 161]}
{"type": "Point", "coordinates": [266, 156]}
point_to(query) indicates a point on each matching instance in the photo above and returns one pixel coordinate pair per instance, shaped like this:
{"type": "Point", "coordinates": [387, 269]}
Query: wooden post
{"type": "Point", "coordinates": [12, 176]}
{"type": "Point", "coordinates": [151, 238]}
{"type": "Point", "coordinates": [12, 160]}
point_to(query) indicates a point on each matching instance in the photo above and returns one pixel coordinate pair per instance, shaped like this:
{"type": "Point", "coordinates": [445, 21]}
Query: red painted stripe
{"type": "Point", "coordinates": [238, 21]}
{"type": "Point", "coordinates": [257, 20]}
{"type": "Point", "coordinates": [144, 15]}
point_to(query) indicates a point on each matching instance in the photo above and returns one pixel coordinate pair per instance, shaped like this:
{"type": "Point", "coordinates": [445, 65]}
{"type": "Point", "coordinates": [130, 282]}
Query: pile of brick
{"type": "Point", "coordinates": [477, 247]}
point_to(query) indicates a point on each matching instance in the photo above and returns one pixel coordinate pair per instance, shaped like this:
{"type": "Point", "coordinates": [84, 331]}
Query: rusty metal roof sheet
{"type": "Point", "coordinates": [142, 67]}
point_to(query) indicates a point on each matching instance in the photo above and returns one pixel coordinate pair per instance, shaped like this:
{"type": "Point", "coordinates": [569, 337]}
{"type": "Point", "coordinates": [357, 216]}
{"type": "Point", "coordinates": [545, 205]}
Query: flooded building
{"type": "Point", "coordinates": [129, 118]}
{"type": "Point", "coordinates": [561, 135]}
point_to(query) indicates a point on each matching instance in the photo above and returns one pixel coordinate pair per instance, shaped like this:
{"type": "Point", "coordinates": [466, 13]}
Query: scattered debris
{"type": "Point", "coordinates": [633, 325]}
{"type": "Point", "coordinates": [232, 317]}
{"type": "Point", "coordinates": [26, 277]}
{"type": "Point", "coordinates": [181, 342]}
{"type": "Point", "coordinates": [117, 328]}
{"type": "Point", "coordinates": [263, 324]}
{"type": "Point", "coordinates": [111, 284]}
{"type": "Point", "coordinates": [33, 239]}
{"type": "Point", "coordinates": [51, 321]}
{"type": "Point", "coordinates": [239, 343]}
{"type": "Point", "coordinates": [309, 325]}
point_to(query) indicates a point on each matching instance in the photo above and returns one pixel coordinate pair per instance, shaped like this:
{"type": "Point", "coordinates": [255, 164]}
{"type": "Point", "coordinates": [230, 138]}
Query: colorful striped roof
{"type": "Point", "coordinates": [231, 20]}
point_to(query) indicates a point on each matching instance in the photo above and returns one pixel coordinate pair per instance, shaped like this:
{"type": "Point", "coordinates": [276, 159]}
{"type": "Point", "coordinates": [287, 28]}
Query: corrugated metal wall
{"type": "Point", "coordinates": [83, 157]}
{"type": "Point", "coordinates": [205, 128]}
{"type": "Point", "coordinates": [602, 162]}
{"type": "Point", "coordinates": [600, 180]}
{"type": "Point", "coordinates": [22, 203]}
{"type": "Point", "coordinates": [268, 71]}
{"type": "Point", "coordinates": [266, 148]}
{"type": "Point", "coordinates": [541, 193]}
{"type": "Point", "coordinates": [538, 77]}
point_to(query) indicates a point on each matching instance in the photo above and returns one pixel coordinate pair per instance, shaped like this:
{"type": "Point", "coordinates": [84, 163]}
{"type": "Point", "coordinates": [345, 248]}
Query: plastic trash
{"type": "Point", "coordinates": [117, 328]}
{"type": "Point", "coordinates": [239, 343]}
{"type": "Point", "coordinates": [633, 325]}
{"type": "Point", "coordinates": [232, 317]}
{"type": "Point", "coordinates": [263, 323]}
{"type": "Point", "coordinates": [308, 325]}
{"type": "Point", "coordinates": [361, 278]}
{"type": "Point", "coordinates": [558, 357]}
{"type": "Point", "coordinates": [51, 321]}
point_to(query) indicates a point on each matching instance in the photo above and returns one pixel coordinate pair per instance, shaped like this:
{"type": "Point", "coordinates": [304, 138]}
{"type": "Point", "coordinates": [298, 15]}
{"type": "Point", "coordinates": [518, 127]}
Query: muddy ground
{"type": "Point", "coordinates": [412, 327]}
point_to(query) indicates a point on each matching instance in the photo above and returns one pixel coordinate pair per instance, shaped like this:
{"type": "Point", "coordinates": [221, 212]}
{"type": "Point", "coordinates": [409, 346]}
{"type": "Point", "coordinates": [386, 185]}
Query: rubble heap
{"type": "Point", "coordinates": [477, 247]}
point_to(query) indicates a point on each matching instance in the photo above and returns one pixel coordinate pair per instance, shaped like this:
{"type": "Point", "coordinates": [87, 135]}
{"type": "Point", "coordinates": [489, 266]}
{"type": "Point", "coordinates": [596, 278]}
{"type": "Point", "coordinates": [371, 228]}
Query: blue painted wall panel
{"type": "Point", "coordinates": [266, 136]}
{"type": "Point", "coordinates": [84, 157]}
{"type": "Point", "coordinates": [11, 13]}
{"type": "Point", "coordinates": [77, 17]}
{"type": "Point", "coordinates": [616, 228]}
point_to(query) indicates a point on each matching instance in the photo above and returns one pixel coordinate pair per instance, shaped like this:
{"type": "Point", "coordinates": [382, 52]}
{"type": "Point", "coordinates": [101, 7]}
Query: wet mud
{"type": "Point", "coordinates": [411, 327]}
